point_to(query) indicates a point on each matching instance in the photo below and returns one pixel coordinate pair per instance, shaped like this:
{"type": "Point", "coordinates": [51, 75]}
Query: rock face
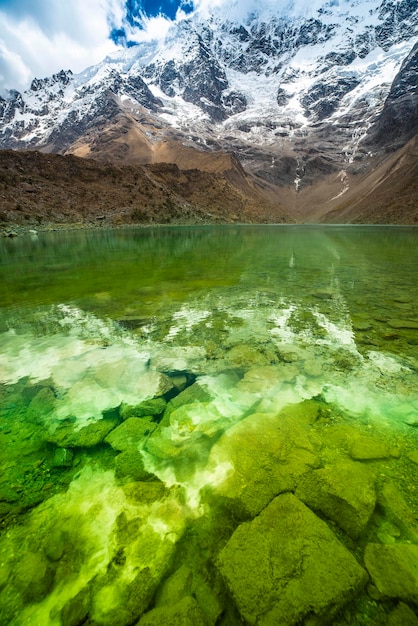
{"type": "Point", "coordinates": [286, 565]}
{"type": "Point", "coordinates": [398, 121]}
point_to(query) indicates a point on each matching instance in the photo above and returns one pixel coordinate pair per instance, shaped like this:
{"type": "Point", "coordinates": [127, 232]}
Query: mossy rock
{"type": "Point", "coordinates": [261, 456]}
{"type": "Point", "coordinates": [368, 448]}
{"type": "Point", "coordinates": [402, 616]}
{"type": "Point", "coordinates": [41, 405]}
{"type": "Point", "coordinates": [129, 466]}
{"type": "Point", "coordinates": [185, 613]}
{"type": "Point", "coordinates": [33, 576]}
{"type": "Point", "coordinates": [185, 582]}
{"type": "Point", "coordinates": [397, 511]}
{"type": "Point", "coordinates": [344, 493]}
{"type": "Point", "coordinates": [145, 492]}
{"type": "Point", "coordinates": [131, 435]}
{"type": "Point", "coordinates": [194, 393]}
{"type": "Point", "coordinates": [63, 457]}
{"type": "Point", "coordinates": [394, 570]}
{"type": "Point", "coordinates": [152, 407]}
{"type": "Point", "coordinates": [67, 435]}
{"type": "Point", "coordinates": [76, 610]}
{"type": "Point", "coordinates": [286, 565]}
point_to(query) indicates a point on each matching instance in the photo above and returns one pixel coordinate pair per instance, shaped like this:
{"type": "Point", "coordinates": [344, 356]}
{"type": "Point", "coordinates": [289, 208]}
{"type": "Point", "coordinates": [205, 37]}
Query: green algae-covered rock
{"type": "Point", "coordinates": [262, 456]}
{"type": "Point", "coordinates": [367, 448]}
{"type": "Point", "coordinates": [396, 510]}
{"type": "Point", "coordinates": [151, 407]}
{"type": "Point", "coordinates": [244, 355]}
{"type": "Point", "coordinates": [75, 611]}
{"type": "Point", "coordinates": [344, 493]}
{"type": "Point", "coordinates": [185, 613]}
{"type": "Point", "coordinates": [41, 405]}
{"type": "Point", "coordinates": [402, 616]}
{"type": "Point", "coordinates": [63, 457]}
{"type": "Point", "coordinates": [33, 576]}
{"type": "Point", "coordinates": [175, 588]}
{"type": "Point", "coordinates": [286, 564]}
{"type": "Point", "coordinates": [185, 582]}
{"type": "Point", "coordinates": [185, 436]}
{"type": "Point", "coordinates": [394, 570]}
{"type": "Point", "coordinates": [131, 435]}
{"type": "Point", "coordinates": [66, 434]}
{"type": "Point", "coordinates": [264, 379]}
{"type": "Point", "coordinates": [122, 594]}
{"type": "Point", "coordinates": [145, 492]}
{"type": "Point", "coordinates": [56, 543]}
{"type": "Point", "coordinates": [129, 466]}
{"type": "Point", "coordinates": [194, 393]}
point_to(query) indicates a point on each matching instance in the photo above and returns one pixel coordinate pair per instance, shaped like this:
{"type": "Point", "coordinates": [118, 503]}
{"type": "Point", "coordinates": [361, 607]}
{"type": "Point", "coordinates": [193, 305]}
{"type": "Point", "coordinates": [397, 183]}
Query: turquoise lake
{"type": "Point", "coordinates": [162, 388]}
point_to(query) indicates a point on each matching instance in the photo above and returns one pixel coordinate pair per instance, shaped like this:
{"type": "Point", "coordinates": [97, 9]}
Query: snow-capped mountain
{"type": "Point", "coordinates": [298, 93]}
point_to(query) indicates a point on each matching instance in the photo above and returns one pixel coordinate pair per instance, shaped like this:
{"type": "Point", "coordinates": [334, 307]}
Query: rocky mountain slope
{"type": "Point", "coordinates": [308, 101]}
{"type": "Point", "coordinates": [39, 190]}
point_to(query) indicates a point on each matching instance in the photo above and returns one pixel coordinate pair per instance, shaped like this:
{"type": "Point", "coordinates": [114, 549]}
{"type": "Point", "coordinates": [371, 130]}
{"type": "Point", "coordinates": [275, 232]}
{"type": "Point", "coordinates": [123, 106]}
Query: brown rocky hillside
{"type": "Point", "coordinates": [39, 189]}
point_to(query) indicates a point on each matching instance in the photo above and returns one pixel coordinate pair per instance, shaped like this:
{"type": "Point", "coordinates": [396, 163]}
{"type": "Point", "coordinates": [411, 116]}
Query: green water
{"type": "Point", "coordinates": [276, 359]}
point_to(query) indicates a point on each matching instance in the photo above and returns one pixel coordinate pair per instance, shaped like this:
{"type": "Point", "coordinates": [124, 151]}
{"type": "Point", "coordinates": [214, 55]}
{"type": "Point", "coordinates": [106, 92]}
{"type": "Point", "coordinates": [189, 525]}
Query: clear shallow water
{"type": "Point", "coordinates": [310, 329]}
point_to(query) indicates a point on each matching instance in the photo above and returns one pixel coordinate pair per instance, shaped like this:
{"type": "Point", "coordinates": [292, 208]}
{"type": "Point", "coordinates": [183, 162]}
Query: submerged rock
{"type": "Point", "coordinates": [33, 576]}
{"type": "Point", "coordinates": [131, 435]}
{"type": "Point", "coordinates": [185, 613]}
{"type": "Point", "coordinates": [268, 377]}
{"type": "Point", "coordinates": [145, 493]}
{"type": "Point", "coordinates": [76, 610]}
{"type": "Point", "coordinates": [286, 565]}
{"type": "Point", "coordinates": [67, 435]}
{"type": "Point", "coordinates": [129, 466]}
{"type": "Point", "coordinates": [41, 405]}
{"type": "Point", "coordinates": [402, 616]}
{"type": "Point", "coordinates": [63, 457]}
{"type": "Point", "coordinates": [397, 511]}
{"type": "Point", "coordinates": [184, 583]}
{"type": "Point", "coordinates": [394, 570]}
{"type": "Point", "coordinates": [368, 448]}
{"type": "Point", "coordinates": [152, 407]}
{"type": "Point", "coordinates": [344, 493]}
{"type": "Point", "coordinates": [194, 393]}
{"type": "Point", "coordinates": [185, 436]}
{"type": "Point", "coordinates": [245, 356]}
{"type": "Point", "coordinates": [146, 552]}
{"type": "Point", "coordinates": [265, 455]}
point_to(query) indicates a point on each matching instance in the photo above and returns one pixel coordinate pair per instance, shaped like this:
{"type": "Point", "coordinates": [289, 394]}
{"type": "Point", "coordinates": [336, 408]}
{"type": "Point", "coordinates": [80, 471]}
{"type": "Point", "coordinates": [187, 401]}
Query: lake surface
{"type": "Point", "coordinates": [162, 388]}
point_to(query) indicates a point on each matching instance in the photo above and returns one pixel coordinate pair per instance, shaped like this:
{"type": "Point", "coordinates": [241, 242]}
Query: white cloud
{"type": "Point", "coordinates": [49, 35]}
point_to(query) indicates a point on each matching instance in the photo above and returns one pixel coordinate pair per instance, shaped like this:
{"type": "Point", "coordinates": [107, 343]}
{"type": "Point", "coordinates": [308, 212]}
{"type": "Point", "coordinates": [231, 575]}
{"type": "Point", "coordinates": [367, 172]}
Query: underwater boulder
{"type": "Point", "coordinates": [287, 565]}
{"type": "Point", "coordinates": [129, 466]}
{"type": "Point", "coordinates": [393, 570]}
{"type": "Point", "coordinates": [266, 456]}
{"type": "Point", "coordinates": [131, 435]}
{"type": "Point", "coordinates": [185, 613]}
{"type": "Point", "coordinates": [68, 434]}
{"type": "Point", "coordinates": [344, 493]}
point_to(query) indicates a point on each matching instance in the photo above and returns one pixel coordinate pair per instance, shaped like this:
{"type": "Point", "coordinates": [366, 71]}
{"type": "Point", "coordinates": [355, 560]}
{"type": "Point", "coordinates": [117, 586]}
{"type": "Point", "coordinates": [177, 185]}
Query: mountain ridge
{"type": "Point", "coordinates": [297, 99]}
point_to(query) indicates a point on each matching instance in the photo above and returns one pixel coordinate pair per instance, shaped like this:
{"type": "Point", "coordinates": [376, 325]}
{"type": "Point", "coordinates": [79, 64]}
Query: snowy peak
{"type": "Point", "coordinates": [297, 91]}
